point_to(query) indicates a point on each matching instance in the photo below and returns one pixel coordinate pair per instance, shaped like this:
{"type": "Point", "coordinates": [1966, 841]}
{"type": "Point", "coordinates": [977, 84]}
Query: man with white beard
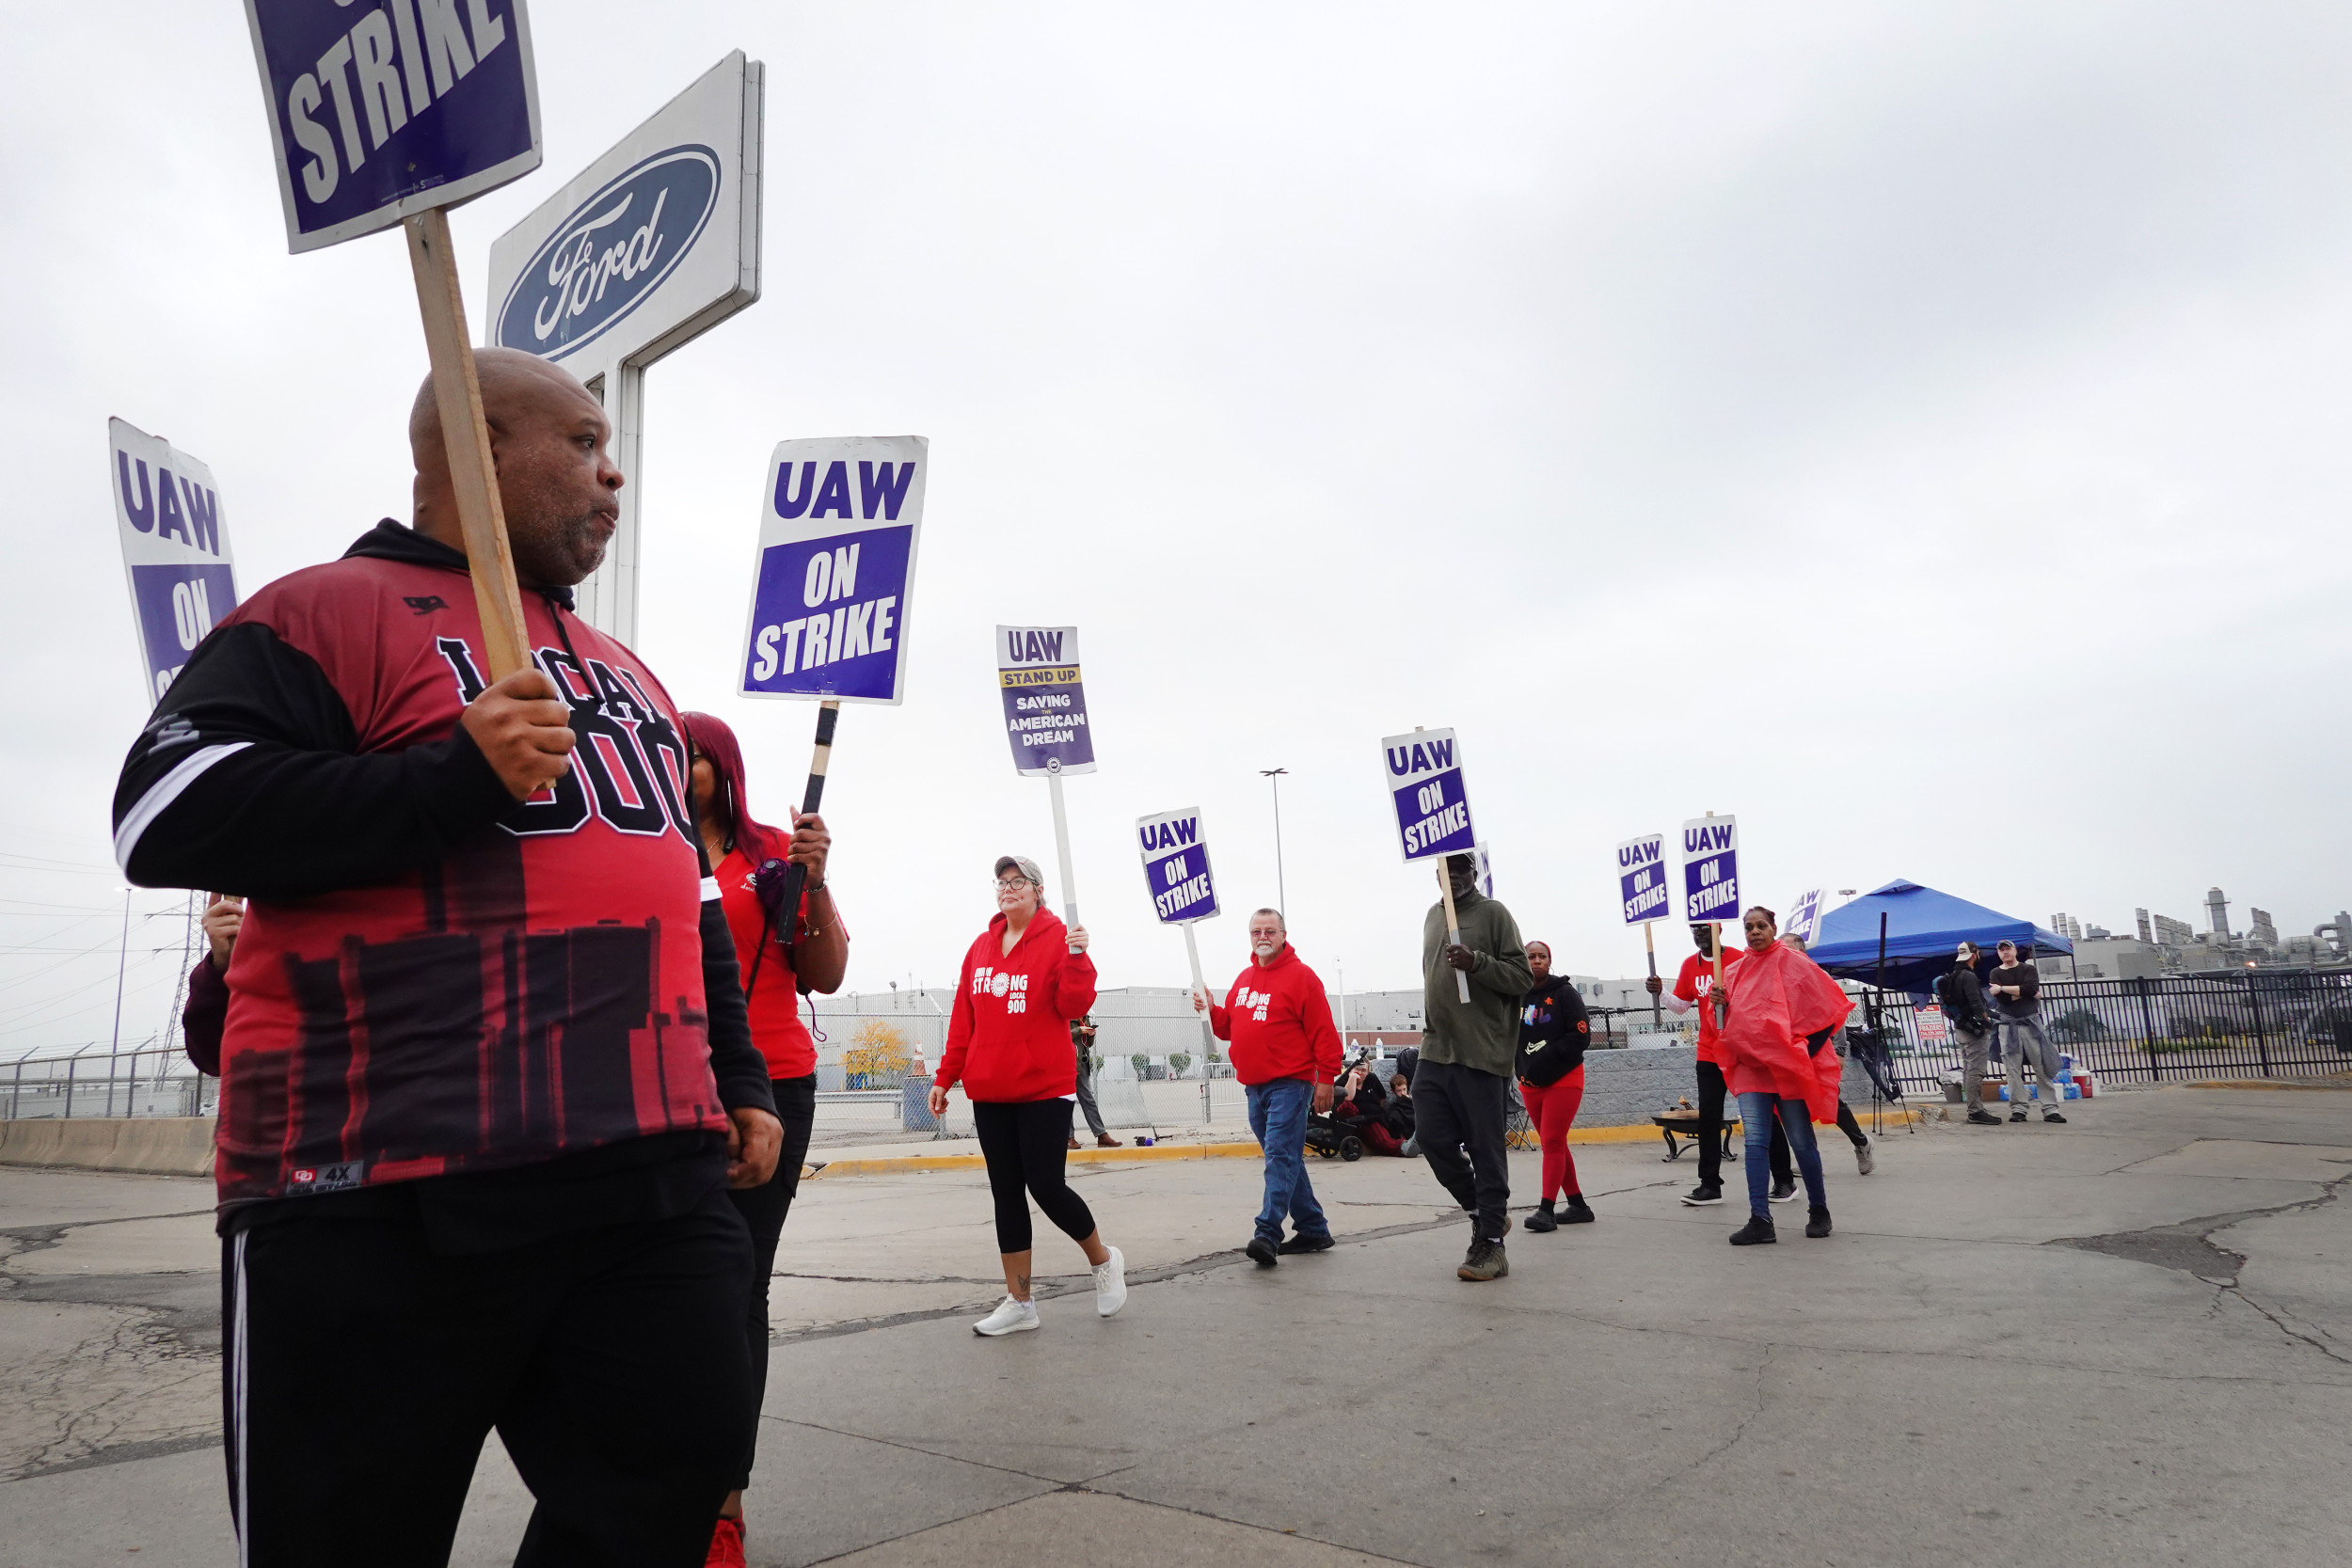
{"type": "Point", "coordinates": [1287, 1053]}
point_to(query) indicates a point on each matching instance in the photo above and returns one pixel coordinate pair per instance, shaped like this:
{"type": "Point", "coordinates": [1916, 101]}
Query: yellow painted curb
{"type": "Point", "coordinates": [1238, 1149]}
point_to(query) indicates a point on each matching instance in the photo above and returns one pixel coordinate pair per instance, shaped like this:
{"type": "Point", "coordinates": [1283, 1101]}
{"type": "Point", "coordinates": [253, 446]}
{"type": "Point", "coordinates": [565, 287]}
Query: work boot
{"type": "Point", "coordinates": [1542, 1219]}
{"type": "Point", "coordinates": [1817, 1222]}
{"type": "Point", "coordinates": [1484, 1262]}
{"type": "Point", "coordinates": [1756, 1232]}
{"type": "Point", "coordinates": [1307, 1244]}
{"type": "Point", "coordinates": [1576, 1212]}
{"type": "Point", "coordinates": [1261, 1252]}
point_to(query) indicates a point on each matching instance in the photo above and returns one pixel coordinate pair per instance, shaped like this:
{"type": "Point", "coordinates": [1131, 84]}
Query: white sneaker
{"type": "Point", "coordinates": [1011, 1317]}
{"type": "Point", "coordinates": [1863, 1160]}
{"type": "Point", "coordinates": [1110, 1284]}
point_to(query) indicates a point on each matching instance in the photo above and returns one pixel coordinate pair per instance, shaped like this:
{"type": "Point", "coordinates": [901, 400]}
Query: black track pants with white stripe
{"type": "Point", "coordinates": [362, 1372]}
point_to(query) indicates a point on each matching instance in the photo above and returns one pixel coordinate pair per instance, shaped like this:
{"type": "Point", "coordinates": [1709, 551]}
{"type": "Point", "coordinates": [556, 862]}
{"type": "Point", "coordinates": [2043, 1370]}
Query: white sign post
{"type": "Point", "coordinates": [1183, 894]}
{"type": "Point", "coordinates": [654, 244]}
{"type": "Point", "coordinates": [1424, 771]}
{"type": "Point", "coordinates": [1045, 720]}
{"type": "Point", "coordinates": [1642, 894]}
{"type": "Point", "coordinates": [175, 550]}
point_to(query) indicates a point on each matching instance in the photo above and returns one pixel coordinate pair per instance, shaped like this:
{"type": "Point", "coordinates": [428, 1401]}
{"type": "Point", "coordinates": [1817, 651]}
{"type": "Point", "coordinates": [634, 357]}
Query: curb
{"type": "Point", "coordinates": [1238, 1149]}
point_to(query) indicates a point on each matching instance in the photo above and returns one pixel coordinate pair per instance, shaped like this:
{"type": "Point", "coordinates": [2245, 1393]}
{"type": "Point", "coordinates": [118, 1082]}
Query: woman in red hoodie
{"type": "Point", "coordinates": [1009, 1043]}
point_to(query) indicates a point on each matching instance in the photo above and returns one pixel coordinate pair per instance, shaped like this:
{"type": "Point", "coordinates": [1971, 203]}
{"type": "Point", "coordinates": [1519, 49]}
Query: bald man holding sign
{"type": "Point", "coordinates": [486, 1075]}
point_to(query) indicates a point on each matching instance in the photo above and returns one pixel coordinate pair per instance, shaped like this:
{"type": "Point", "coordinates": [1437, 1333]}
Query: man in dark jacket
{"type": "Point", "coordinates": [1963, 996]}
{"type": "Point", "coordinates": [2016, 1007]}
{"type": "Point", "coordinates": [485, 1070]}
{"type": "Point", "coordinates": [1463, 1084]}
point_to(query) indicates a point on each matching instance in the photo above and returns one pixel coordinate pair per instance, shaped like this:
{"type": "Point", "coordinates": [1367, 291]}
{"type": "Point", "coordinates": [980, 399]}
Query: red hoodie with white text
{"type": "Point", "coordinates": [1280, 1022]}
{"type": "Point", "coordinates": [1008, 1038]}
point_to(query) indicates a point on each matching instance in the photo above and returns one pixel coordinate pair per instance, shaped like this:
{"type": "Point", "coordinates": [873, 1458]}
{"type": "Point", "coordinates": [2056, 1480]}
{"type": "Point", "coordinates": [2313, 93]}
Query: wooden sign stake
{"type": "Point", "coordinates": [1453, 924]}
{"type": "Point", "coordinates": [1650, 946]}
{"type": "Point", "coordinates": [466, 439]}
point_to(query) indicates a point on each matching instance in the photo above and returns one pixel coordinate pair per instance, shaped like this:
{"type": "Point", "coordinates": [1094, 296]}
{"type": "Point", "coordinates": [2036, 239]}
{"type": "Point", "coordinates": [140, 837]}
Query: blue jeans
{"type": "Point", "coordinates": [1758, 1113]}
{"type": "Point", "coordinates": [1278, 1116]}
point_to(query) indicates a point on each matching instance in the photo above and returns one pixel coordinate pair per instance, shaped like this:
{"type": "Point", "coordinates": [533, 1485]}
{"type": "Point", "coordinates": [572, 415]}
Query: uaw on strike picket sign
{"type": "Point", "coordinates": [175, 549]}
{"type": "Point", "coordinates": [1176, 866]}
{"type": "Point", "coordinates": [1045, 703]}
{"type": "Point", "coordinates": [379, 109]}
{"type": "Point", "coordinates": [838, 528]}
{"type": "Point", "coordinates": [1711, 869]}
{"type": "Point", "coordinates": [1424, 774]}
{"type": "Point", "coordinates": [1642, 885]}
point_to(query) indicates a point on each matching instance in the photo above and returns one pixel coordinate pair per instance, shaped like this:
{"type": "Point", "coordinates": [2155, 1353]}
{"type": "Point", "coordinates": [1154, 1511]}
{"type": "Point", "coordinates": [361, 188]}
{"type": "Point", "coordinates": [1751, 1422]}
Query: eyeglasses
{"type": "Point", "coordinates": [1011, 884]}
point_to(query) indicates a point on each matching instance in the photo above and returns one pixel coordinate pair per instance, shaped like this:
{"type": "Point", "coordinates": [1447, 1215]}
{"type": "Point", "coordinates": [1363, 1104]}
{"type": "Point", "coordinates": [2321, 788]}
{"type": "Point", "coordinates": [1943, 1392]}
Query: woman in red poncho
{"type": "Point", "coordinates": [1779, 1012]}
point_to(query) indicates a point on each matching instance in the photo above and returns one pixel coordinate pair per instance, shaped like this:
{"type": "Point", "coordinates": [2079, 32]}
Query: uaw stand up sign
{"type": "Point", "coordinates": [832, 583]}
{"type": "Point", "coordinates": [1045, 719]}
{"type": "Point", "coordinates": [175, 548]}
{"type": "Point", "coordinates": [652, 245]}
{"type": "Point", "coordinates": [1433, 815]}
{"type": "Point", "coordinates": [1183, 893]}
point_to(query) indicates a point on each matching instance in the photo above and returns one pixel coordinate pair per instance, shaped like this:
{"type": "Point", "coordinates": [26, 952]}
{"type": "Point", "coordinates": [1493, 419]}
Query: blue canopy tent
{"type": "Point", "coordinates": [1922, 927]}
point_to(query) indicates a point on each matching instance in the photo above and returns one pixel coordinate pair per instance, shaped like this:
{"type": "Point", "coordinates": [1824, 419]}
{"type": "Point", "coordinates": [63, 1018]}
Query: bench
{"type": "Point", "coordinates": [1684, 1124]}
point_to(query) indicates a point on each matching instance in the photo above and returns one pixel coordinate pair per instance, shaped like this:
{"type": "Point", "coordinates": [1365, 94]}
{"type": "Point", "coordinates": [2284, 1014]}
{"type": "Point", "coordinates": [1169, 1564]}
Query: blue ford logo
{"type": "Point", "coordinates": [612, 253]}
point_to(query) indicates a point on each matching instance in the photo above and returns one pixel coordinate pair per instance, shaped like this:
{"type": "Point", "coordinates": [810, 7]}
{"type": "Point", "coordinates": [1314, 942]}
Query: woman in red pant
{"type": "Point", "coordinates": [1554, 1032]}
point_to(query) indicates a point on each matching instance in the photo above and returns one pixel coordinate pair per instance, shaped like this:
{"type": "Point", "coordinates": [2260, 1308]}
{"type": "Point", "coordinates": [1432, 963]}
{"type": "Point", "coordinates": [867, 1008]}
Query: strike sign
{"type": "Point", "coordinates": [1176, 866]}
{"type": "Point", "coordinates": [385, 108]}
{"type": "Point", "coordinates": [174, 548]}
{"type": "Point", "coordinates": [1425, 776]}
{"type": "Point", "coordinates": [831, 574]}
{"type": "Point", "coordinates": [1046, 704]}
{"type": "Point", "coordinates": [1641, 878]}
{"type": "Point", "coordinates": [1805, 915]}
{"type": "Point", "coordinates": [1711, 869]}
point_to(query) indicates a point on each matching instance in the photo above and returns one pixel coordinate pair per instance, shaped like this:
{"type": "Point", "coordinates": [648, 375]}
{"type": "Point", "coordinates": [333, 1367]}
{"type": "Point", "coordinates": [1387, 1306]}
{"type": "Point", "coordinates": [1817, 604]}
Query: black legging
{"type": "Point", "coordinates": [1023, 1143]}
{"type": "Point", "coordinates": [763, 1209]}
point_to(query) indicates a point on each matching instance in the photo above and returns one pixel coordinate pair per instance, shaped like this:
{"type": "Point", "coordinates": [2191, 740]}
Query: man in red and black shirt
{"type": "Point", "coordinates": [1286, 1054]}
{"type": "Point", "coordinates": [486, 1075]}
{"type": "Point", "coordinates": [1694, 986]}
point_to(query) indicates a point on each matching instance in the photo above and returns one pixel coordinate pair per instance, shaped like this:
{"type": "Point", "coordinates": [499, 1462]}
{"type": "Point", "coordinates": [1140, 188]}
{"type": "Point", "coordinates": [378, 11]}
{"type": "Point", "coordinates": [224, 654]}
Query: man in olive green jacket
{"type": "Point", "coordinates": [1462, 1087]}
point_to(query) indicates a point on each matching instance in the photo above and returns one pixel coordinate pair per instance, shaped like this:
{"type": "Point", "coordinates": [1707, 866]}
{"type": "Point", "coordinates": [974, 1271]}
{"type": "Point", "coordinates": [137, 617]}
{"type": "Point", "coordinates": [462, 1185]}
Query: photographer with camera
{"type": "Point", "coordinates": [779, 958]}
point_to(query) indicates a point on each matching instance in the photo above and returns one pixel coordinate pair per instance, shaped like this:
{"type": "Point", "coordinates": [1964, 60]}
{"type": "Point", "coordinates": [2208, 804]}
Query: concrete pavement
{"type": "Point", "coordinates": [2124, 1340]}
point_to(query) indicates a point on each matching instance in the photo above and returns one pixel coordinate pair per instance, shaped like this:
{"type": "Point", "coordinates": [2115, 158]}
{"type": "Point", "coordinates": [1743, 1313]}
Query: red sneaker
{"type": "Point", "coordinates": [726, 1545]}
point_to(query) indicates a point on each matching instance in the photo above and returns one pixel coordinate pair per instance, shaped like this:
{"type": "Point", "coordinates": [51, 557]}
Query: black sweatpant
{"type": "Point", "coordinates": [1711, 1134]}
{"type": "Point", "coordinates": [1457, 1108]}
{"type": "Point", "coordinates": [363, 1371]}
{"type": "Point", "coordinates": [1023, 1143]}
{"type": "Point", "coordinates": [763, 1209]}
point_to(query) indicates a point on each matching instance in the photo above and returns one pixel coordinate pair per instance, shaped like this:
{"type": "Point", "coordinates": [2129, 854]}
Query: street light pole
{"type": "Point", "coordinates": [1274, 776]}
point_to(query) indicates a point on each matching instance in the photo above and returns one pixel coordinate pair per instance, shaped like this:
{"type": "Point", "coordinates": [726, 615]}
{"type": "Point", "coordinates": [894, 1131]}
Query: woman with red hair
{"type": "Point", "coordinates": [779, 960]}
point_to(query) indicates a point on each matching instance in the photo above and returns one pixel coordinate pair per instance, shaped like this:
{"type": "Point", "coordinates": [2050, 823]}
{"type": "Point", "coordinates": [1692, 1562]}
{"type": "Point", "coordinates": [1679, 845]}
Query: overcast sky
{"type": "Point", "coordinates": [1918, 429]}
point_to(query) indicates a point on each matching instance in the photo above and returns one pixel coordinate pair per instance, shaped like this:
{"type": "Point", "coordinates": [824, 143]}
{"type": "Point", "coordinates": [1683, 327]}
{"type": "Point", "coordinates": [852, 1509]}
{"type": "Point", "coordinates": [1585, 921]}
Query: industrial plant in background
{"type": "Point", "coordinates": [2168, 946]}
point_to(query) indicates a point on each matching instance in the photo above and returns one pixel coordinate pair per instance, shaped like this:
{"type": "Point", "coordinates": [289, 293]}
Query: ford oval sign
{"type": "Point", "coordinates": [611, 254]}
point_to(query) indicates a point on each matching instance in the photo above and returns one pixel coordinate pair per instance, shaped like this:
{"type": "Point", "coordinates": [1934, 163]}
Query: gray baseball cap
{"type": "Point", "coordinates": [1022, 863]}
